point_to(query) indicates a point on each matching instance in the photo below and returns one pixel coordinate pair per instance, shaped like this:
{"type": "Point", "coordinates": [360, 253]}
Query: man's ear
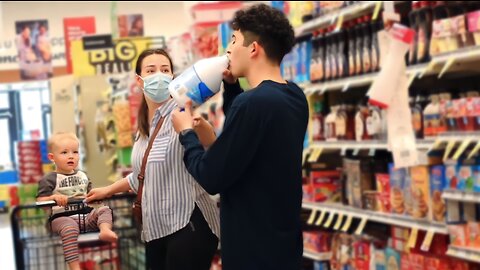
{"type": "Point", "coordinates": [255, 48]}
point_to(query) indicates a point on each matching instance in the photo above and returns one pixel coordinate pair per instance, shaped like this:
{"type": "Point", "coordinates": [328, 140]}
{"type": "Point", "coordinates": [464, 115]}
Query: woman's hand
{"type": "Point", "coordinates": [97, 194]}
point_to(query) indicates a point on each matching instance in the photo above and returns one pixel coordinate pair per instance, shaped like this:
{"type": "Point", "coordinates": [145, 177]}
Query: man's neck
{"type": "Point", "coordinates": [262, 71]}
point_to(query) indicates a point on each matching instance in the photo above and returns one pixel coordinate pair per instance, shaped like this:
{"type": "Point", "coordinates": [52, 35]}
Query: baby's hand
{"type": "Point", "coordinates": [61, 200]}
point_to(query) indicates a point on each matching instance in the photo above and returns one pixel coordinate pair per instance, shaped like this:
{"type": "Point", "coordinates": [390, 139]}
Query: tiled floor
{"type": "Point", "coordinates": [7, 260]}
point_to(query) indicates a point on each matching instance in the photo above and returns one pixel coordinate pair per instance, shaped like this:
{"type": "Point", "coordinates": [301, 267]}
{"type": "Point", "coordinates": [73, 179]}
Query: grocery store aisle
{"type": "Point", "coordinates": [6, 244]}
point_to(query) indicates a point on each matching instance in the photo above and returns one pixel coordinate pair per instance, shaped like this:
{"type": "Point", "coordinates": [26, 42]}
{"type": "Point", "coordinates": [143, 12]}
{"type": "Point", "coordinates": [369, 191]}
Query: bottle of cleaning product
{"type": "Point", "coordinates": [199, 82]}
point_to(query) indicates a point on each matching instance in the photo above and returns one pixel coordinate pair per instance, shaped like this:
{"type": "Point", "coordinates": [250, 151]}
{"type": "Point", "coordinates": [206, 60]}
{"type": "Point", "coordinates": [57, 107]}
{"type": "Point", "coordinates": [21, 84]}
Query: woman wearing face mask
{"type": "Point", "coordinates": [180, 220]}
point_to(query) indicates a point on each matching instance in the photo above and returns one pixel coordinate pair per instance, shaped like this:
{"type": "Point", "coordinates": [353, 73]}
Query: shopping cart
{"type": "Point", "coordinates": [36, 248]}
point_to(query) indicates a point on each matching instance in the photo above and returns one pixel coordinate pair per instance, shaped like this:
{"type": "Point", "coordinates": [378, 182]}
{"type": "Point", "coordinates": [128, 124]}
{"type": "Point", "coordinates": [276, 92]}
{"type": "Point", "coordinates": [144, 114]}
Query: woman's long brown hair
{"type": "Point", "coordinates": [142, 119]}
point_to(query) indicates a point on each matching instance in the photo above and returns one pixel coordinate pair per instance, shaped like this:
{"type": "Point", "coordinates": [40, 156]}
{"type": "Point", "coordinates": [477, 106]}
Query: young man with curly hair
{"type": "Point", "coordinates": [255, 163]}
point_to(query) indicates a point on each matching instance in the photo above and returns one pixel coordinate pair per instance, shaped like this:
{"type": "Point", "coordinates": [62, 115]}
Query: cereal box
{"type": "Point", "coordinates": [437, 184]}
{"type": "Point", "coordinates": [398, 179]}
{"type": "Point", "coordinates": [420, 189]}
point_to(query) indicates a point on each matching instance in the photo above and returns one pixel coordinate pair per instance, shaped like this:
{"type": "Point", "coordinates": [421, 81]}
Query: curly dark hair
{"type": "Point", "coordinates": [269, 27]}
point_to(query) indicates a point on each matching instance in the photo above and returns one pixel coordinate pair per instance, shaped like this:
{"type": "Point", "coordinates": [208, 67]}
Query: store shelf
{"type": "Point", "coordinates": [348, 13]}
{"type": "Point", "coordinates": [390, 219]}
{"type": "Point", "coordinates": [472, 255]}
{"type": "Point", "coordinates": [350, 82]}
{"type": "Point", "coordinates": [318, 257]}
{"type": "Point", "coordinates": [444, 63]}
{"type": "Point", "coordinates": [365, 145]}
{"type": "Point", "coordinates": [461, 196]}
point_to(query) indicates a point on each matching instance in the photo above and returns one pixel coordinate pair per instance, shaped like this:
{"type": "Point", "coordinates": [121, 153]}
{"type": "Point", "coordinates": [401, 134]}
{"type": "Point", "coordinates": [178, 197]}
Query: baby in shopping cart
{"type": "Point", "coordinates": [68, 182]}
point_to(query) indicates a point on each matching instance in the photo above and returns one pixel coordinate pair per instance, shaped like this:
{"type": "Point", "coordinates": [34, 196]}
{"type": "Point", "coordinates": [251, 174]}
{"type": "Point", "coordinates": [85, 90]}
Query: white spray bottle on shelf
{"type": "Point", "coordinates": [199, 82]}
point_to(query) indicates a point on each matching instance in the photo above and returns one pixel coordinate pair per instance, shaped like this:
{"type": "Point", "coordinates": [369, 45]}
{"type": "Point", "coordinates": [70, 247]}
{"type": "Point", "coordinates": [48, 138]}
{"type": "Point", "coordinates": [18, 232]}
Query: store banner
{"type": "Point", "coordinates": [97, 42]}
{"type": "Point", "coordinates": [120, 58]}
{"type": "Point", "coordinates": [75, 29]}
{"type": "Point", "coordinates": [34, 50]}
{"type": "Point", "coordinates": [130, 25]}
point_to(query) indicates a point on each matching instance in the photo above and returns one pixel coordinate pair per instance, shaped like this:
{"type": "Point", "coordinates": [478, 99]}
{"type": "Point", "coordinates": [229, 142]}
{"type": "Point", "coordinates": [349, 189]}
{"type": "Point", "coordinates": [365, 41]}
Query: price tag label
{"type": "Point", "coordinates": [412, 240]}
{"type": "Point", "coordinates": [312, 217]}
{"type": "Point", "coordinates": [378, 6]}
{"type": "Point", "coordinates": [321, 218]}
{"type": "Point", "coordinates": [339, 222]}
{"type": "Point", "coordinates": [474, 151]}
{"type": "Point", "coordinates": [462, 148]}
{"type": "Point", "coordinates": [449, 149]}
{"type": "Point", "coordinates": [329, 221]}
{"type": "Point", "coordinates": [446, 67]}
{"type": "Point", "coordinates": [339, 22]}
{"type": "Point", "coordinates": [347, 224]}
{"type": "Point", "coordinates": [361, 226]}
{"type": "Point", "coordinates": [427, 242]}
{"type": "Point", "coordinates": [315, 155]}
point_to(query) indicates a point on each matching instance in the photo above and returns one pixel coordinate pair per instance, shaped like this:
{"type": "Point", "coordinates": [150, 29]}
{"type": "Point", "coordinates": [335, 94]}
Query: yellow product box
{"type": "Point", "coordinates": [420, 192]}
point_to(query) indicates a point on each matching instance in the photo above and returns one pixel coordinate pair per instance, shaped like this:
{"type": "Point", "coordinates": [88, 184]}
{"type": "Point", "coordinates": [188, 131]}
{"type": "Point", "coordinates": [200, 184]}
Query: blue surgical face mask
{"type": "Point", "coordinates": [155, 86]}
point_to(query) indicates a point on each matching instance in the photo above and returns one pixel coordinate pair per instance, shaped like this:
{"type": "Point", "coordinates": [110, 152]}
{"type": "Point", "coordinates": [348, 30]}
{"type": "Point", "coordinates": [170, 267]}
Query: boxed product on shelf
{"type": "Point", "coordinates": [405, 262]}
{"type": "Point", "coordinates": [474, 25]}
{"type": "Point", "coordinates": [473, 234]}
{"type": "Point", "coordinates": [436, 264]}
{"type": "Point", "coordinates": [393, 259]}
{"type": "Point", "coordinates": [326, 186]}
{"type": "Point", "coordinates": [318, 242]}
{"type": "Point", "coordinates": [359, 180]}
{"type": "Point", "coordinates": [321, 266]}
{"type": "Point", "coordinates": [458, 234]}
{"type": "Point", "coordinates": [437, 185]}
{"type": "Point", "coordinates": [416, 262]}
{"type": "Point", "coordinates": [420, 191]}
{"type": "Point", "coordinates": [380, 259]}
{"type": "Point", "coordinates": [451, 175]}
{"type": "Point", "coordinates": [361, 255]}
{"type": "Point", "coordinates": [400, 190]}
{"type": "Point", "coordinates": [383, 188]}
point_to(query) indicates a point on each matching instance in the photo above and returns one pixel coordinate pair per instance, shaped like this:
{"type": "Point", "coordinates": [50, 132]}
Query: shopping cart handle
{"type": "Point", "coordinates": [53, 203]}
{"type": "Point", "coordinates": [46, 203]}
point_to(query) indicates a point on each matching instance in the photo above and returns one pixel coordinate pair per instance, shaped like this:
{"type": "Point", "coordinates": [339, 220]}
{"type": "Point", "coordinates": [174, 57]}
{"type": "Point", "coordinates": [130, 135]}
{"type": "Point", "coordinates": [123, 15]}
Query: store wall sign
{"type": "Point", "coordinates": [97, 42]}
{"type": "Point", "coordinates": [9, 53]}
{"type": "Point", "coordinates": [119, 58]}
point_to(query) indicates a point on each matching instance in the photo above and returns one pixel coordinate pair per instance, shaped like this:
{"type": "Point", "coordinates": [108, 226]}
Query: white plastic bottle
{"type": "Point", "coordinates": [200, 81]}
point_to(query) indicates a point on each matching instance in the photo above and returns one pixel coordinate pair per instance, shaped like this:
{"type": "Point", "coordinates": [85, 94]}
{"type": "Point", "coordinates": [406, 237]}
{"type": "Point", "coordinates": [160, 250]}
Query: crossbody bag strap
{"type": "Point", "coordinates": [141, 175]}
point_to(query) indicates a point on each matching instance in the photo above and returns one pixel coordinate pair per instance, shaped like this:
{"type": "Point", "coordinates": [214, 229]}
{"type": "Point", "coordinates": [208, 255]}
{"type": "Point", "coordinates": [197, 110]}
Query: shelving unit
{"type": "Point", "coordinates": [347, 13]}
{"type": "Point", "coordinates": [384, 218]}
{"type": "Point", "coordinates": [364, 145]}
{"type": "Point", "coordinates": [319, 257]}
{"type": "Point", "coordinates": [461, 196]}
{"type": "Point", "coordinates": [464, 254]}
{"type": "Point", "coordinates": [453, 61]}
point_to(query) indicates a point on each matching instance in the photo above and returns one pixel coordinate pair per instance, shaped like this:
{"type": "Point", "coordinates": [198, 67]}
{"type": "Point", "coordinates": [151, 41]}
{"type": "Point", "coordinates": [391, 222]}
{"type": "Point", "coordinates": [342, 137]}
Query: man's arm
{"type": "Point", "coordinates": [231, 154]}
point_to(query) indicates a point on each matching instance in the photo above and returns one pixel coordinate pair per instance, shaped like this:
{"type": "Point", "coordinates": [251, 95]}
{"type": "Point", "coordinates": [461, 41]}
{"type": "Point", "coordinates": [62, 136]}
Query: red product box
{"type": "Point", "coordinates": [405, 262]}
{"type": "Point", "coordinates": [417, 262]}
{"type": "Point", "coordinates": [459, 265]}
{"type": "Point", "coordinates": [383, 188]}
{"type": "Point", "coordinates": [436, 264]}
{"type": "Point", "coordinates": [326, 186]}
{"type": "Point", "coordinates": [28, 144]}
{"type": "Point", "coordinates": [33, 159]}
{"type": "Point", "coordinates": [316, 241]}
{"type": "Point", "coordinates": [29, 152]}
{"type": "Point", "coordinates": [361, 260]}
{"type": "Point", "coordinates": [30, 166]}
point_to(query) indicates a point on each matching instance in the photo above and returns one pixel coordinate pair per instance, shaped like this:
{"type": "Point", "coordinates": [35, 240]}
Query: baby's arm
{"type": "Point", "coordinates": [61, 200]}
{"type": "Point", "coordinates": [46, 187]}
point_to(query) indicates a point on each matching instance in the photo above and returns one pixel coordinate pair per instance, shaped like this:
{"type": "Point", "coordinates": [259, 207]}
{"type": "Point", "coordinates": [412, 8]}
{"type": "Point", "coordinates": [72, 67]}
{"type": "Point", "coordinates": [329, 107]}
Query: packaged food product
{"type": "Point", "coordinates": [393, 259]}
{"type": "Point", "coordinates": [457, 232]}
{"type": "Point", "coordinates": [437, 184]}
{"type": "Point", "coordinates": [420, 192]}
{"type": "Point", "coordinates": [397, 189]}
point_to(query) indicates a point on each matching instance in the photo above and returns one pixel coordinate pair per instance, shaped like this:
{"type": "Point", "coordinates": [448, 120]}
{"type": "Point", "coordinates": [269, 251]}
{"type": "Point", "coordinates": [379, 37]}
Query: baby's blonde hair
{"type": "Point", "coordinates": [53, 140]}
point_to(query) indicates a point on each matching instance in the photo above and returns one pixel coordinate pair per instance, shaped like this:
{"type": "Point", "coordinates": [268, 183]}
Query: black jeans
{"type": "Point", "coordinates": [191, 248]}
